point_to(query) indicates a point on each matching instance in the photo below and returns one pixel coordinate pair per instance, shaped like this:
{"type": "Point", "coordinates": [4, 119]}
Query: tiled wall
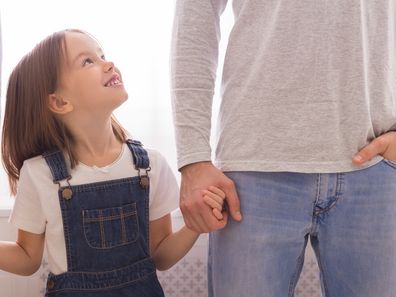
{"type": "Point", "coordinates": [186, 279]}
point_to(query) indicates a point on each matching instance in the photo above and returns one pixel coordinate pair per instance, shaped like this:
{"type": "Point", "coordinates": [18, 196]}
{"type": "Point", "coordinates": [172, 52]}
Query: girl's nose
{"type": "Point", "coordinates": [108, 66]}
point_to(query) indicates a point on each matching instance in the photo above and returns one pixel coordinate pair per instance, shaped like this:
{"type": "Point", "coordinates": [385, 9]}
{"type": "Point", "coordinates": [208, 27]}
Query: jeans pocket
{"type": "Point", "coordinates": [390, 163]}
{"type": "Point", "coordinates": [111, 227]}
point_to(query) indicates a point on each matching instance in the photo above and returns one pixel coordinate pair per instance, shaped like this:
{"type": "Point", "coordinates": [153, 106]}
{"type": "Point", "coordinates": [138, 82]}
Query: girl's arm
{"type": "Point", "coordinates": [167, 248]}
{"type": "Point", "coordinates": [24, 256]}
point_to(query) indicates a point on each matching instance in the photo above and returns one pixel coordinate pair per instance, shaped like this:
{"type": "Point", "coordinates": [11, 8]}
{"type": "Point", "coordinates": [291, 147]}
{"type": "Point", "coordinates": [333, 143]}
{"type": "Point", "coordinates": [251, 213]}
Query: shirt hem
{"type": "Point", "coordinates": [300, 167]}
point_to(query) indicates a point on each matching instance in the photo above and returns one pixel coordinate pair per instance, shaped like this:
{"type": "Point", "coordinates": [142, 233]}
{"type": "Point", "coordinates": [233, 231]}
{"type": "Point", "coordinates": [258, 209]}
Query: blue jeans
{"type": "Point", "coordinates": [349, 217]}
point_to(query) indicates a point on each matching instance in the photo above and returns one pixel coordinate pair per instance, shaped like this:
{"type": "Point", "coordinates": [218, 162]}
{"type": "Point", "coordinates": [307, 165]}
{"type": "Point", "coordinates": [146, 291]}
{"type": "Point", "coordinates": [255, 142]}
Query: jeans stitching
{"type": "Point", "coordinates": [123, 229]}
{"type": "Point", "coordinates": [121, 216]}
{"type": "Point", "coordinates": [316, 199]}
{"type": "Point", "coordinates": [102, 288]}
{"type": "Point", "coordinates": [70, 262]}
{"type": "Point", "coordinates": [102, 229]}
{"type": "Point", "coordinates": [297, 272]}
{"type": "Point", "coordinates": [337, 195]}
{"type": "Point", "coordinates": [96, 216]}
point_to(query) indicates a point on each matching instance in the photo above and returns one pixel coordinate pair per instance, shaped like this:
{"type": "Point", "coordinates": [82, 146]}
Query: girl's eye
{"type": "Point", "coordinates": [103, 57]}
{"type": "Point", "coordinates": [87, 61]}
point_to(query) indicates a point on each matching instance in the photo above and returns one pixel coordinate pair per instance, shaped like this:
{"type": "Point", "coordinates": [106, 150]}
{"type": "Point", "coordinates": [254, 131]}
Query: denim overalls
{"type": "Point", "coordinates": [106, 226]}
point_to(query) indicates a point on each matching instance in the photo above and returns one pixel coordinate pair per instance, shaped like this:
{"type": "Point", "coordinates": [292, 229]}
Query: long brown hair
{"type": "Point", "coordinates": [29, 127]}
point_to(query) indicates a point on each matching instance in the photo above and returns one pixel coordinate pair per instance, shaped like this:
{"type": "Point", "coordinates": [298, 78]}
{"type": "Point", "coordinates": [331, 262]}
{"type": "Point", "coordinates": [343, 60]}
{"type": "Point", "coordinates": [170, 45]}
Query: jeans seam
{"type": "Point", "coordinates": [340, 185]}
{"type": "Point", "coordinates": [297, 272]}
{"type": "Point", "coordinates": [70, 262]}
{"type": "Point", "coordinates": [102, 288]}
{"type": "Point", "coordinates": [314, 216]}
{"type": "Point", "coordinates": [121, 216]}
{"type": "Point", "coordinates": [322, 271]}
{"type": "Point", "coordinates": [337, 195]}
{"type": "Point", "coordinates": [123, 229]}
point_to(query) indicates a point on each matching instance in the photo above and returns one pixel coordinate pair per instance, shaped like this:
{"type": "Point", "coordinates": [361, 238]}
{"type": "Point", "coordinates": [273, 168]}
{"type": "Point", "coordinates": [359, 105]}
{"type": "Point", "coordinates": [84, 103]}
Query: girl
{"type": "Point", "coordinates": [100, 201]}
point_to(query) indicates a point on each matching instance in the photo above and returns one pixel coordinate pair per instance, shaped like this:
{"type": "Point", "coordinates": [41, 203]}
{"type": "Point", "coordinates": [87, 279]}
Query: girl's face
{"type": "Point", "coordinates": [92, 84]}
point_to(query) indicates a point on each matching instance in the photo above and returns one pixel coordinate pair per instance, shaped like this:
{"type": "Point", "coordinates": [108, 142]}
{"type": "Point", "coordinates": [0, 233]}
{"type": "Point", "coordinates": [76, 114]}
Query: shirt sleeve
{"type": "Point", "coordinates": [164, 189]}
{"type": "Point", "coordinates": [27, 212]}
{"type": "Point", "coordinates": [194, 55]}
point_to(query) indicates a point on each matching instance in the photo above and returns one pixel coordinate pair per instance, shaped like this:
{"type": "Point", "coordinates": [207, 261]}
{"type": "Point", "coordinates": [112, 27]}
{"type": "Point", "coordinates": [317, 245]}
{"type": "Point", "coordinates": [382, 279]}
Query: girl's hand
{"type": "Point", "coordinates": [214, 197]}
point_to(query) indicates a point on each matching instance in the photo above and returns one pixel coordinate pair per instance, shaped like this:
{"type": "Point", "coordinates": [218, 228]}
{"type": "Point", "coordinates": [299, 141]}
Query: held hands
{"type": "Point", "coordinates": [204, 214]}
{"type": "Point", "coordinates": [384, 145]}
{"type": "Point", "coordinates": [214, 197]}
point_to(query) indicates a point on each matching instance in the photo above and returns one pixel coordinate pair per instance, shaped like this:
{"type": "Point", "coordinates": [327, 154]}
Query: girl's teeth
{"type": "Point", "coordinates": [114, 82]}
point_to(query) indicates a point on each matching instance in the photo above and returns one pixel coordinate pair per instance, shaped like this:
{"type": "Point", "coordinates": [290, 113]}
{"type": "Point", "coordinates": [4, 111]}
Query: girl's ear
{"type": "Point", "coordinates": [59, 105]}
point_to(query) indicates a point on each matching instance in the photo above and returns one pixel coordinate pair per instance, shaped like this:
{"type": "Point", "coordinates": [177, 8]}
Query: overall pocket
{"type": "Point", "coordinates": [110, 227]}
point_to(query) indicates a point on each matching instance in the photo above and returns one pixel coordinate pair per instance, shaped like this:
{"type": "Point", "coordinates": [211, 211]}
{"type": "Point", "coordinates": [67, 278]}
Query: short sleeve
{"type": "Point", "coordinates": [27, 212]}
{"type": "Point", "coordinates": [164, 189]}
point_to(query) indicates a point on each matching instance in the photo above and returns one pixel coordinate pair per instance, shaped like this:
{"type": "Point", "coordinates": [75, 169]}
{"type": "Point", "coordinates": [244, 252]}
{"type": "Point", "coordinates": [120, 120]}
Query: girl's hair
{"type": "Point", "coordinates": [29, 127]}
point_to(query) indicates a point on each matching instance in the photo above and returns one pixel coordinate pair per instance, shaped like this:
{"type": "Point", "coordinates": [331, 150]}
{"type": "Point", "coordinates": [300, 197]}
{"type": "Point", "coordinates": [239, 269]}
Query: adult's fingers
{"type": "Point", "coordinates": [376, 147]}
{"type": "Point", "coordinates": [232, 198]}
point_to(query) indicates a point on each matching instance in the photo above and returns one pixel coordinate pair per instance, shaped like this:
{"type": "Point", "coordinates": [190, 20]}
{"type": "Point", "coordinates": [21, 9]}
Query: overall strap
{"type": "Point", "coordinates": [57, 164]}
{"type": "Point", "coordinates": [140, 156]}
{"type": "Point", "coordinates": [140, 160]}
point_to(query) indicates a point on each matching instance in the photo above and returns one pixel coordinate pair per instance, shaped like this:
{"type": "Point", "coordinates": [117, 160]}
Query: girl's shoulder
{"type": "Point", "coordinates": [35, 170]}
{"type": "Point", "coordinates": [154, 155]}
{"type": "Point", "coordinates": [157, 159]}
{"type": "Point", "coordinates": [35, 163]}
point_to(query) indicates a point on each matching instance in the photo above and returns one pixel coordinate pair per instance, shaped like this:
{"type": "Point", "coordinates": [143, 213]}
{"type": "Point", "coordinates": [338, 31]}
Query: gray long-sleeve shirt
{"type": "Point", "coordinates": [305, 84]}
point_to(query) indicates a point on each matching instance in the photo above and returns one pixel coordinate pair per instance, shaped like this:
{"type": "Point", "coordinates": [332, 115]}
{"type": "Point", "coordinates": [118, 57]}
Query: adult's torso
{"type": "Point", "coordinates": [306, 84]}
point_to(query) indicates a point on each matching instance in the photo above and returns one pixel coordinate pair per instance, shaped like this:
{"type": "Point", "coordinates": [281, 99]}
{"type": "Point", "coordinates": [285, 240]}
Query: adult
{"type": "Point", "coordinates": [308, 102]}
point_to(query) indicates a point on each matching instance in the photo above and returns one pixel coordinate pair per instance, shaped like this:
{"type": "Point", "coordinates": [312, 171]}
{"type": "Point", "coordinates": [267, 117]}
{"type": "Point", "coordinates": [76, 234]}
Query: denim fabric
{"type": "Point", "coordinates": [106, 227]}
{"type": "Point", "coordinates": [55, 161]}
{"type": "Point", "coordinates": [350, 219]}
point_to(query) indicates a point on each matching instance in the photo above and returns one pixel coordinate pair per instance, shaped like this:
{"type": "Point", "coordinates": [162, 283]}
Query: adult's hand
{"type": "Point", "coordinates": [384, 145]}
{"type": "Point", "coordinates": [195, 179]}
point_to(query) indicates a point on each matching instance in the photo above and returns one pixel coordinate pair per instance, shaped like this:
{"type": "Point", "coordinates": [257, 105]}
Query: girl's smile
{"type": "Point", "coordinates": [114, 81]}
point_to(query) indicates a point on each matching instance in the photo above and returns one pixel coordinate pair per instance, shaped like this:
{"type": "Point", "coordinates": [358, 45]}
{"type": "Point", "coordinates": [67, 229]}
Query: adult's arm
{"type": "Point", "coordinates": [194, 55]}
{"type": "Point", "coordinates": [1, 58]}
{"type": "Point", "coordinates": [194, 58]}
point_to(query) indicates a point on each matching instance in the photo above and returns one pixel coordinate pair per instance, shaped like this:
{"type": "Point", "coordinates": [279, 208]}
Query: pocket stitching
{"type": "Point", "coordinates": [129, 214]}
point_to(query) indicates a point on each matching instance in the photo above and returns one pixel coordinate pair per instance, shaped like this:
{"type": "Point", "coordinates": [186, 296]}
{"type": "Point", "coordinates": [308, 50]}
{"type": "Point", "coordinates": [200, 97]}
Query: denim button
{"type": "Point", "coordinates": [50, 284]}
{"type": "Point", "coordinates": [144, 181]}
{"type": "Point", "coordinates": [67, 193]}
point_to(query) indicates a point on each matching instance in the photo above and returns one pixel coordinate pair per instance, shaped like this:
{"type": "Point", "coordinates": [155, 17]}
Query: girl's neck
{"type": "Point", "coordinates": [97, 146]}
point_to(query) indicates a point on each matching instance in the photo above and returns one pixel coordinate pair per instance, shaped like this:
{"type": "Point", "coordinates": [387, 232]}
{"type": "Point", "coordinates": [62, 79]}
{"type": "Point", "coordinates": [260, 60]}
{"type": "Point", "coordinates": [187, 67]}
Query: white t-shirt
{"type": "Point", "coordinates": [37, 208]}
